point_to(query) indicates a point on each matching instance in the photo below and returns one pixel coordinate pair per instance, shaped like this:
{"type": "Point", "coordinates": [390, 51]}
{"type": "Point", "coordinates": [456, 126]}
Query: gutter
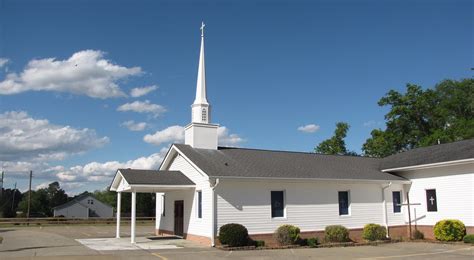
{"type": "Point", "coordinates": [213, 210]}
{"type": "Point", "coordinates": [384, 204]}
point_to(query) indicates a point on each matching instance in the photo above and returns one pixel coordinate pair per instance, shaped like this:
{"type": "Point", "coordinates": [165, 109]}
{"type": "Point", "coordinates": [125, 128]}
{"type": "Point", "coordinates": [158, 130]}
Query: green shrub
{"type": "Point", "coordinates": [469, 239]}
{"type": "Point", "coordinates": [302, 241]}
{"type": "Point", "coordinates": [336, 233]}
{"type": "Point", "coordinates": [374, 232]}
{"type": "Point", "coordinates": [313, 242]}
{"type": "Point", "coordinates": [259, 243]}
{"type": "Point", "coordinates": [233, 235]}
{"type": "Point", "coordinates": [287, 234]}
{"type": "Point", "coordinates": [449, 230]}
{"type": "Point", "coordinates": [417, 234]}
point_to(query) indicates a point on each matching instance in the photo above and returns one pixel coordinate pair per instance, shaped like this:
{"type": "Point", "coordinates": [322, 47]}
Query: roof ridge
{"type": "Point", "coordinates": [297, 152]}
{"type": "Point", "coordinates": [428, 146]}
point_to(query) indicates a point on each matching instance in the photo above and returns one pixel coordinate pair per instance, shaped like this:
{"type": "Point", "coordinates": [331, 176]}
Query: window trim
{"type": "Point", "coordinates": [401, 201]}
{"type": "Point", "coordinates": [284, 204]}
{"type": "Point", "coordinates": [349, 204]}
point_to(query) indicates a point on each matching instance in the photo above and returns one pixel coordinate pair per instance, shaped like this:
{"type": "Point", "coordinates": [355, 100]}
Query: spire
{"type": "Point", "coordinates": [201, 78]}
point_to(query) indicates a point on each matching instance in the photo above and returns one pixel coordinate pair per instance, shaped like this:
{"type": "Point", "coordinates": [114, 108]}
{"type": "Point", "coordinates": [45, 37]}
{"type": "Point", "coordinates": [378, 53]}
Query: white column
{"type": "Point", "coordinates": [134, 205]}
{"type": "Point", "coordinates": [158, 210]}
{"type": "Point", "coordinates": [119, 206]}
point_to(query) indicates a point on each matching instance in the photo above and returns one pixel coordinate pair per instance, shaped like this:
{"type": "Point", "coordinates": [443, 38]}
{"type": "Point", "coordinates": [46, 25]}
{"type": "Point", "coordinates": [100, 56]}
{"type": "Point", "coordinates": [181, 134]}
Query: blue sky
{"type": "Point", "coordinates": [272, 66]}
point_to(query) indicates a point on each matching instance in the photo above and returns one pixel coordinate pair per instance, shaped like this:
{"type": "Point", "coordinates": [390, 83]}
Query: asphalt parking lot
{"type": "Point", "coordinates": [61, 242]}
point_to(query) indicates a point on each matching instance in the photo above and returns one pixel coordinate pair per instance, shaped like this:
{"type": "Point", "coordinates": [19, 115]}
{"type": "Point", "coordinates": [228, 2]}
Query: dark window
{"type": "Point", "coordinates": [163, 210]}
{"type": "Point", "coordinates": [199, 193]}
{"type": "Point", "coordinates": [343, 203]}
{"type": "Point", "coordinates": [431, 200]}
{"type": "Point", "coordinates": [397, 208]}
{"type": "Point", "coordinates": [278, 204]}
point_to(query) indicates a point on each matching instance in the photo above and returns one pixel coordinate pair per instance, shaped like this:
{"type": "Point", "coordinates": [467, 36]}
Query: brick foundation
{"type": "Point", "coordinates": [396, 232]}
{"type": "Point", "coordinates": [195, 238]}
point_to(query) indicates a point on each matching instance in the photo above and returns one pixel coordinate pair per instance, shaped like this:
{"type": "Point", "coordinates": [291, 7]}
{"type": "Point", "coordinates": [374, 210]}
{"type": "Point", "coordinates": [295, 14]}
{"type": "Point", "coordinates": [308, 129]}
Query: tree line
{"type": "Point", "coordinates": [416, 118]}
{"type": "Point", "coordinates": [13, 203]}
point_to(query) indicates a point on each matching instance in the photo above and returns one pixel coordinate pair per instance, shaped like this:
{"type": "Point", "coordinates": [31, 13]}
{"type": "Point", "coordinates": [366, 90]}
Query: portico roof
{"type": "Point", "coordinates": [128, 180]}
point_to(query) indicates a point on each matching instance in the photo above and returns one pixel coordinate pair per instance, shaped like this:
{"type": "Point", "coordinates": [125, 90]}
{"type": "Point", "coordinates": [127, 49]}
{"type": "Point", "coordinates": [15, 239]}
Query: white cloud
{"type": "Point", "coordinates": [172, 134]}
{"type": "Point", "coordinates": [134, 126]}
{"type": "Point", "coordinates": [311, 128]}
{"type": "Point", "coordinates": [84, 73]}
{"type": "Point", "coordinates": [23, 138]}
{"type": "Point", "coordinates": [143, 107]}
{"type": "Point", "coordinates": [138, 92]}
{"type": "Point", "coordinates": [226, 139]}
{"type": "Point", "coordinates": [97, 174]}
{"type": "Point", "coordinates": [175, 134]}
{"type": "Point", "coordinates": [3, 62]}
{"type": "Point", "coordinates": [104, 172]}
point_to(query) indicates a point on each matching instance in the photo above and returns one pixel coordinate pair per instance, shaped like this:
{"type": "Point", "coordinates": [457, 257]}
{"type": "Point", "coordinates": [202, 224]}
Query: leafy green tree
{"type": "Point", "coordinates": [43, 200]}
{"type": "Point", "coordinates": [7, 210]}
{"type": "Point", "coordinates": [336, 144]}
{"type": "Point", "coordinates": [420, 117]}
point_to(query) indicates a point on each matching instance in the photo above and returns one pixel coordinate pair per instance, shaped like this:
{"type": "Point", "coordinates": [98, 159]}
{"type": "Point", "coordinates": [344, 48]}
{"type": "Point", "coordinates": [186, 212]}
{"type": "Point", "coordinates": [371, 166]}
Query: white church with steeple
{"type": "Point", "coordinates": [200, 186]}
{"type": "Point", "coordinates": [201, 133]}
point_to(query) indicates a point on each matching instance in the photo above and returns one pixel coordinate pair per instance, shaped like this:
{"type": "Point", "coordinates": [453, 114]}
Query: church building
{"type": "Point", "coordinates": [201, 186]}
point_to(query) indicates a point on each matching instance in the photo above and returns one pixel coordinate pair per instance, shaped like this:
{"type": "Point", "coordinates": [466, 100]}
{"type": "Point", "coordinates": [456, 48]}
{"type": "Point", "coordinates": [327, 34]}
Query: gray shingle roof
{"type": "Point", "coordinates": [251, 163]}
{"type": "Point", "coordinates": [431, 154]}
{"type": "Point", "coordinates": [152, 177]}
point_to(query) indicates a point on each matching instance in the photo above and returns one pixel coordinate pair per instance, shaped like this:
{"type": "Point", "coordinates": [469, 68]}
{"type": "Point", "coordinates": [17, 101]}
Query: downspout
{"type": "Point", "coordinates": [213, 214]}
{"type": "Point", "coordinates": [384, 204]}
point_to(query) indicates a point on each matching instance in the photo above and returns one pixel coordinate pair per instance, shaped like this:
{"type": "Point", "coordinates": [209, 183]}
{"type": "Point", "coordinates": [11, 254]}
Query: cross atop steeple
{"type": "Point", "coordinates": [202, 29]}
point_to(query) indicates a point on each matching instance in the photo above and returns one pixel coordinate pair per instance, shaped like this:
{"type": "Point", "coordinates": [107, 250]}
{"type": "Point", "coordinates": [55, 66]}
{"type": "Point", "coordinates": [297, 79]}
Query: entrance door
{"type": "Point", "coordinates": [178, 217]}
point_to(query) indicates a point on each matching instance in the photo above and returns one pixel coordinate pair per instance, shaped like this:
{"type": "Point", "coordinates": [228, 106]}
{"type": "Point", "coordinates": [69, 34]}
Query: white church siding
{"type": "Point", "coordinates": [192, 224]}
{"type": "Point", "coordinates": [454, 191]}
{"type": "Point", "coordinates": [310, 205]}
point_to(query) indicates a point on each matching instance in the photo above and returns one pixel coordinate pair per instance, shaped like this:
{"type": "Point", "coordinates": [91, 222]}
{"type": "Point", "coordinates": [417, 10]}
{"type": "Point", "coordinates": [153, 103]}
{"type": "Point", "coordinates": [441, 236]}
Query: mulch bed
{"type": "Point", "coordinates": [325, 245]}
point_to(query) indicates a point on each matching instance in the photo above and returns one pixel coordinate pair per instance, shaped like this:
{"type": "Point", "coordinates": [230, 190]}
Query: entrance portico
{"type": "Point", "coordinates": [146, 181]}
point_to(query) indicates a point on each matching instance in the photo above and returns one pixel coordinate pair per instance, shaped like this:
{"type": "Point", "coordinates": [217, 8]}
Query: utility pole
{"type": "Point", "coordinates": [29, 196]}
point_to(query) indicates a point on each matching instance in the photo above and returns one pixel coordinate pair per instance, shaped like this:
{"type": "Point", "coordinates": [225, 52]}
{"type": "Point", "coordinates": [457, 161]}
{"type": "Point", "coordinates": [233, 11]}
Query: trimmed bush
{"type": "Point", "coordinates": [417, 234]}
{"type": "Point", "coordinates": [374, 232]}
{"type": "Point", "coordinates": [233, 235]}
{"type": "Point", "coordinates": [469, 239]}
{"type": "Point", "coordinates": [336, 233]}
{"type": "Point", "coordinates": [287, 234]}
{"type": "Point", "coordinates": [449, 230]}
{"type": "Point", "coordinates": [312, 242]}
{"type": "Point", "coordinates": [259, 243]}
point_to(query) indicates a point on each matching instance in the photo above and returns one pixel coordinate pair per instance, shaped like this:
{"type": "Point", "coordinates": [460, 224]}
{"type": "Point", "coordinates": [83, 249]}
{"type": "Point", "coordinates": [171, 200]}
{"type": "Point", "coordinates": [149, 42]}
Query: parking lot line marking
{"type": "Point", "coordinates": [161, 257]}
{"type": "Point", "coordinates": [419, 254]}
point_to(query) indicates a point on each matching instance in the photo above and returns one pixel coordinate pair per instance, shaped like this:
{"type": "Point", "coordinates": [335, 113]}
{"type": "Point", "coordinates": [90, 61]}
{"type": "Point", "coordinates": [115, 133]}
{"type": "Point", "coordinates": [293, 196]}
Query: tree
{"type": "Point", "coordinates": [335, 144]}
{"type": "Point", "coordinates": [7, 210]}
{"type": "Point", "coordinates": [423, 117]}
{"type": "Point", "coordinates": [44, 200]}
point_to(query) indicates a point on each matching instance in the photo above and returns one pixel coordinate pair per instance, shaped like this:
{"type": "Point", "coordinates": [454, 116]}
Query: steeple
{"type": "Point", "coordinates": [200, 107]}
{"type": "Point", "coordinates": [200, 133]}
{"type": "Point", "coordinates": [201, 97]}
